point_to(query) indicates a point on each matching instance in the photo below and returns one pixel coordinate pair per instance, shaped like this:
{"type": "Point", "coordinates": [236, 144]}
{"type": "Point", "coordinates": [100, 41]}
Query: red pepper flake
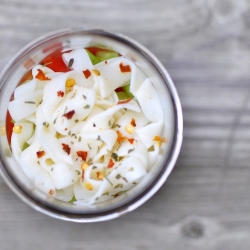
{"type": "Point", "coordinates": [111, 164]}
{"type": "Point", "coordinates": [82, 154]}
{"type": "Point", "coordinates": [60, 94]}
{"type": "Point", "coordinates": [69, 114]}
{"type": "Point", "coordinates": [124, 68]}
{"type": "Point", "coordinates": [66, 148]}
{"type": "Point", "coordinates": [116, 195]}
{"type": "Point", "coordinates": [133, 122]}
{"type": "Point", "coordinates": [125, 101]}
{"type": "Point", "coordinates": [131, 140]}
{"type": "Point", "coordinates": [51, 192]}
{"type": "Point", "coordinates": [40, 154]}
{"type": "Point", "coordinates": [41, 76]}
{"type": "Point", "coordinates": [87, 73]}
{"type": "Point", "coordinates": [120, 138]}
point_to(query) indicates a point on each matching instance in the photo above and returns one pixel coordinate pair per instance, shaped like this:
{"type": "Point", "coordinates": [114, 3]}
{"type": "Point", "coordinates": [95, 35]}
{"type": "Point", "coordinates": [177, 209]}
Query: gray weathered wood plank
{"type": "Point", "coordinates": [205, 45]}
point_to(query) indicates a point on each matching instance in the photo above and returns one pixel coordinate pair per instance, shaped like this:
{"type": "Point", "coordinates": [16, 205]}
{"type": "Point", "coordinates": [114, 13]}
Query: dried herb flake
{"type": "Point", "coordinates": [30, 102]}
{"type": "Point", "coordinates": [71, 61]}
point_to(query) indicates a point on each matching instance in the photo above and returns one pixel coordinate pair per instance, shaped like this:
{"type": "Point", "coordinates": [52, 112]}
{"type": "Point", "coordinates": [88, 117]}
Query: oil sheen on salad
{"type": "Point", "coordinates": [85, 125]}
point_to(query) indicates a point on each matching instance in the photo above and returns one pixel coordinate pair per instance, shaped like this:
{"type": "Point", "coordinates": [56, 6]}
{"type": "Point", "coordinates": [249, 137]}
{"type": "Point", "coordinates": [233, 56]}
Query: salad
{"type": "Point", "coordinates": [85, 125]}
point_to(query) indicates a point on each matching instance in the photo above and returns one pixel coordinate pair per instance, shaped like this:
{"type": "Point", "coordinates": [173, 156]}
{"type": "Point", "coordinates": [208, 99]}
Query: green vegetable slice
{"type": "Point", "coordinates": [73, 199]}
{"type": "Point", "coordinates": [25, 145]}
{"type": "Point", "coordinates": [126, 89]}
{"type": "Point", "coordinates": [106, 55]}
{"type": "Point", "coordinates": [93, 58]}
{"type": "Point", "coordinates": [122, 95]}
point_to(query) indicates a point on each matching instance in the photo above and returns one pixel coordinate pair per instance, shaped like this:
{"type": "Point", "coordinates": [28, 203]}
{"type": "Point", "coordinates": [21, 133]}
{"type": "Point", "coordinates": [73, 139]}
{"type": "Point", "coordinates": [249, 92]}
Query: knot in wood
{"type": "Point", "coordinates": [193, 229]}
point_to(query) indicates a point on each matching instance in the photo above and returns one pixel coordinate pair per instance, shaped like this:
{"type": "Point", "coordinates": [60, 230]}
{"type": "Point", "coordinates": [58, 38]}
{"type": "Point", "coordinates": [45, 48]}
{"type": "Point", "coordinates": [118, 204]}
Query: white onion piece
{"type": "Point", "coordinates": [80, 101]}
{"type": "Point", "coordinates": [148, 133]}
{"type": "Point", "coordinates": [18, 140]}
{"type": "Point", "coordinates": [63, 175]}
{"type": "Point", "coordinates": [81, 62]}
{"type": "Point", "coordinates": [49, 142]}
{"type": "Point", "coordinates": [111, 76]}
{"type": "Point", "coordinates": [25, 106]}
{"type": "Point", "coordinates": [137, 77]}
{"type": "Point", "coordinates": [34, 172]}
{"type": "Point", "coordinates": [52, 89]}
{"type": "Point", "coordinates": [137, 149]}
{"type": "Point", "coordinates": [102, 121]}
{"type": "Point", "coordinates": [124, 120]}
{"type": "Point", "coordinates": [149, 101]}
{"type": "Point", "coordinates": [44, 69]}
{"type": "Point", "coordinates": [107, 136]}
{"type": "Point", "coordinates": [152, 155]}
{"type": "Point", "coordinates": [95, 111]}
{"type": "Point", "coordinates": [65, 194]}
{"type": "Point", "coordinates": [31, 118]}
{"type": "Point", "coordinates": [81, 59]}
{"type": "Point", "coordinates": [25, 89]}
{"type": "Point", "coordinates": [131, 169]}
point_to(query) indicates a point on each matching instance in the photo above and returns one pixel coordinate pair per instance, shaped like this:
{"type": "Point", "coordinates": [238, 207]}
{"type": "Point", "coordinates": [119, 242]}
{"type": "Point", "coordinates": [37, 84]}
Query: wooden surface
{"type": "Point", "coordinates": [205, 45]}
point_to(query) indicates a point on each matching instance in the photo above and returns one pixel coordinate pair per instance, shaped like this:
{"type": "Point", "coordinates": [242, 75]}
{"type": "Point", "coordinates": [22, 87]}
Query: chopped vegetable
{"type": "Point", "coordinates": [93, 58]}
{"type": "Point", "coordinates": [73, 199]}
{"type": "Point", "coordinates": [25, 145]}
{"type": "Point", "coordinates": [106, 55]}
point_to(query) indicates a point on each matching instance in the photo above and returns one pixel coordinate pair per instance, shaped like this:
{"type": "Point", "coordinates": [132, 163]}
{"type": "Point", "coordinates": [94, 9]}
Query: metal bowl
{"type": "Point", "coordinates": [32, 54]}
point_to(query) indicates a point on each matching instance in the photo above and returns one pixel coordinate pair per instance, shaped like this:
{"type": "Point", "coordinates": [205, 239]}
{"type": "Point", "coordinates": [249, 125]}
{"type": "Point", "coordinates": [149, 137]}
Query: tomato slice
{"type": "Point", "coordinates": [55, 62]}
{"type": "Point", "coordinates": [9, 127]}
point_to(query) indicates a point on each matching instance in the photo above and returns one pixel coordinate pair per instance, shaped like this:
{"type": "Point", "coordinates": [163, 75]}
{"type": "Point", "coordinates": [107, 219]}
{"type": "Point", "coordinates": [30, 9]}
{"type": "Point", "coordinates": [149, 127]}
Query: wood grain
{"type": "Point", "coordinates": [205, 204]}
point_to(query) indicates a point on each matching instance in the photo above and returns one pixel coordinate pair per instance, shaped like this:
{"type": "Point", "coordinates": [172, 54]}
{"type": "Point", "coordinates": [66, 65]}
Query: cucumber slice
{"type": "Point", "coordinates": [73, 199]}
{"type": "Point", "coordinates": [93, 58]}
{"type": "Point", "coordinates": [106, 55]}
{"type": "Point", "coordinates": [25, 145]}
{"type": "Point", "coordinates": [126, 89]}
{"type": "Point", "coordinates": [122, 95]}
